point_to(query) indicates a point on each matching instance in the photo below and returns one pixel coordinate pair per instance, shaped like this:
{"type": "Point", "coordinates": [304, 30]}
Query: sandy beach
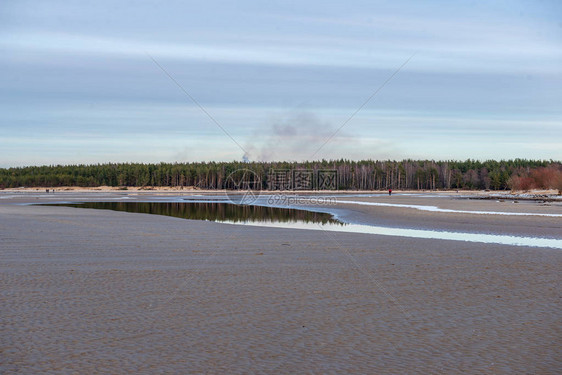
{"type": "Point", "coordinates": [99, 291]}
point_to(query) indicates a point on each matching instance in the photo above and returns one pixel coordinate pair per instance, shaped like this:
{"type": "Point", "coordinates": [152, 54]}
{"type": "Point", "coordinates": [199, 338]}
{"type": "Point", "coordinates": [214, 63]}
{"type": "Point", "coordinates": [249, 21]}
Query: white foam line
{"type": "Point", "coordinates": [437, 209]}
{"type": "Point", "coordinates": [415, 233]}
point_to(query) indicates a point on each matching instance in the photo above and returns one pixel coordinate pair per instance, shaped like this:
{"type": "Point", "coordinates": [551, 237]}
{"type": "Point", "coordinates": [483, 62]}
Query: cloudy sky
{"type": "Point", "coordinates": [78, 84]}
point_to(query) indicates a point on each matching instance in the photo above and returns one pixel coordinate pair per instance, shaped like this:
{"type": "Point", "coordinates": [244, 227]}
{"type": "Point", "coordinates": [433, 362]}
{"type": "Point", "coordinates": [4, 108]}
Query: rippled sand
{"type": "Point", "coordinates": [90, 291]}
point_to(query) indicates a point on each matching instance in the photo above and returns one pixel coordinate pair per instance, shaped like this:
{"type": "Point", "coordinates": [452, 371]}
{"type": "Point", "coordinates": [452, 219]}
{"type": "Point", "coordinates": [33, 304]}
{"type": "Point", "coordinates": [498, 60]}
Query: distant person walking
{"type": "Point", "coordinates": [389, 191]}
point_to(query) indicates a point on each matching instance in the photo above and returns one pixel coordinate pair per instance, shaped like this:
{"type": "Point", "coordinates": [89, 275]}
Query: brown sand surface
{"type": "Point", "coordinates": [92, 291]}
{"type": "Point", "coordinates": [197, 190]}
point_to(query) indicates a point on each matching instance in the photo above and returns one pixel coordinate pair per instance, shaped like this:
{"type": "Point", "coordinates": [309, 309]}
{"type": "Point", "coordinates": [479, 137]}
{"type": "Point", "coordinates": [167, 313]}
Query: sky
{"type": "Point", "coordinates": [181, 81]}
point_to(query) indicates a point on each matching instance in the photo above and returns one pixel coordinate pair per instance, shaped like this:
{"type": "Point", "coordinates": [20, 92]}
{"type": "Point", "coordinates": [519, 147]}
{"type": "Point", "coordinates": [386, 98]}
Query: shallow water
{"type": "Point", "coordinates": [290, 218]}
{"type": "Point", "coordinates": [437, 209]}
{"type": "Point", "coordinates": [293, 200]}
{"type": "Point", "coordinates": [419, 233]}
{"type": "Point", "coordinates": [215, 211]}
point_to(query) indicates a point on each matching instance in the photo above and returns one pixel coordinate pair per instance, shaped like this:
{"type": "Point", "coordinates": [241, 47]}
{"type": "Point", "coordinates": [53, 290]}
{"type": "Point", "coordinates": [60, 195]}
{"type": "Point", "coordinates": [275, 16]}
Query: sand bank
{"type": "Point", "coordinates": [112, 292]}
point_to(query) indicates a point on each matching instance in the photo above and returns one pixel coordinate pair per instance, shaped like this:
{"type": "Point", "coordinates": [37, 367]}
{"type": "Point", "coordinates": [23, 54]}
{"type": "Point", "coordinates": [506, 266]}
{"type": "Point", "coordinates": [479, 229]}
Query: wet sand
{"type": "Point", "coordinates": [541, 226]}
{"type": "Point", "coordinates": [91, 291]}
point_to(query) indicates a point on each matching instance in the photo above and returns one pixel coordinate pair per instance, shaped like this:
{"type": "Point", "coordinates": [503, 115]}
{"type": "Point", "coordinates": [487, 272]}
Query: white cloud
{"type": "Point", "coordinates": [497, 53]}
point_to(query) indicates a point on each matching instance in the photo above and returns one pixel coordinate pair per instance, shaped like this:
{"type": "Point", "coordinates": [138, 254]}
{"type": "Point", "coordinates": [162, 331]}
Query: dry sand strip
{"type": "Point", "coordinates": [91, 291]}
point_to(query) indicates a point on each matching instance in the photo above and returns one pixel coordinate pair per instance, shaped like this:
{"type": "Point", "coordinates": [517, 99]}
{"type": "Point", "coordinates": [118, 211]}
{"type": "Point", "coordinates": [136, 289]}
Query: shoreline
{"type": "Point", "coordinates": [189, 190]}
{"type": "Point", "coordinates": [423, 211]}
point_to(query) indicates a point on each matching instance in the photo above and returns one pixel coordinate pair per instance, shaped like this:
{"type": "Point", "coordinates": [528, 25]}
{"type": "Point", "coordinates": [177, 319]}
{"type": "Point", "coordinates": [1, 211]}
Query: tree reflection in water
{"type": "Point", "coordinates": [214, 211]}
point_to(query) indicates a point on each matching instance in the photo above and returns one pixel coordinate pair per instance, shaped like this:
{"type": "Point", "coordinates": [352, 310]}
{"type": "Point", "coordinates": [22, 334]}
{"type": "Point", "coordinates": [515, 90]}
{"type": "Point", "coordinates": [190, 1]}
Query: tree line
{"type": "Point", "coordinates": [352, 175]}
